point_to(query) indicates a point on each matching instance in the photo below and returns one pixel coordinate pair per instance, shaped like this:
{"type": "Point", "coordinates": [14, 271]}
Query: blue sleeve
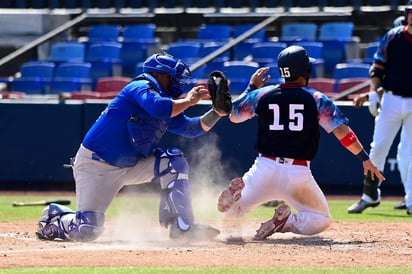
{"type": "Point", "coordinates": [245, 105]}
{"type": "Point", "coordinates": [380, 56]}
{"type": "Point", "coordinates": [152, 102]}
{"type": "Point", "coordinates": [330, 116]}
{"type": "Point", "coordinates": [185, 126]}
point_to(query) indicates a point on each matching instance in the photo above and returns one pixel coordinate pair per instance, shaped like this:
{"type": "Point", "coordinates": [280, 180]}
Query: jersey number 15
{"type": "Point", "coordinates": [295, 117]}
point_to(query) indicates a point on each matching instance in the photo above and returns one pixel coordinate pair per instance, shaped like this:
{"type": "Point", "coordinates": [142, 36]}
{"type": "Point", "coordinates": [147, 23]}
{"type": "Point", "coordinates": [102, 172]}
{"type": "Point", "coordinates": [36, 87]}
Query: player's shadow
{"type": "Point", "coordinates": [304, 241]}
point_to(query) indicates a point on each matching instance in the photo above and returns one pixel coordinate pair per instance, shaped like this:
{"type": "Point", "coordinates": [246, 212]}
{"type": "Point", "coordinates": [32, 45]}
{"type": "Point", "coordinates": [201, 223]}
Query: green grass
{"type": "Point", "coordinates": [149, 204]}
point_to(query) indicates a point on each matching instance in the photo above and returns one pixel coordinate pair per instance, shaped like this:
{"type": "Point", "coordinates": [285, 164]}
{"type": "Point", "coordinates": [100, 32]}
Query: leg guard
{"type": "Point", "coordinates": [60, 222]}
{"type": "Point", "coordinates": [172, 170]}
{"type": "Point", "coordinates": [371, 187]}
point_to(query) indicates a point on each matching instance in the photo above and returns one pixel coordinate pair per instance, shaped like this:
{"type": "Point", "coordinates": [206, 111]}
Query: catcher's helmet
{"type": "Point", "coordinates": [175, 68]}
{"type": "Point", "coordinates": [166, 64]}
{"type": "Point", "coordinates": [293, 62]}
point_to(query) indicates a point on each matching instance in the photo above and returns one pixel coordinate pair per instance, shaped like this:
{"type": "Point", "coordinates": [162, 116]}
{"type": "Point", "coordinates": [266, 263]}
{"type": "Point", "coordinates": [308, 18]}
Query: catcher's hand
{"type": "Point", "coordinates": [219, 92]}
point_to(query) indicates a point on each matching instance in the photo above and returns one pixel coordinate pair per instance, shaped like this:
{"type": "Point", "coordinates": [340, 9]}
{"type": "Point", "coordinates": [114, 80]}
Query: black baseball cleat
{"type": "Point", "coordinates": [402, 205]}
{"type": "Point", "coordinates": [360, 206]}
{"type": "Point", "coordinates": [409, 210]}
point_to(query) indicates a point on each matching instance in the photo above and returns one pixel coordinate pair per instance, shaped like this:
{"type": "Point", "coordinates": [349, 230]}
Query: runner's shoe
{"type": "Point", "coordinates": [275, 224]}
{"type": "Point", "coordinates": [230, 195]}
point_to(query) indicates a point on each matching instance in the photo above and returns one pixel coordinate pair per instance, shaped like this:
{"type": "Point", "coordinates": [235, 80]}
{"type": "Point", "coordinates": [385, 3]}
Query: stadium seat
{"type": "Point", "coordinates": [111, 84]}
{"type": "Point", "coordinates": [70, 51]}
{"type": "Point", "coordinates": [274, 73]}
{"type": "Point", "coordinates": [324, 85]}
{"type": "Point", "coordinates": [214, 33]}
{"type": "Point", "coordinates": [266, 52]}
{"type": "Point", "coordinates": [187, 51]}
{"type": "Point", "coordinates": [103, 33]}
{"type": "Point", "coordinates": [105, 59]}
{"type": "Point", "coordinates": [336, 31]}
{"type": "Point", "coordinates": [34, 77]}
{"type": "Point", "coordinates": [350, 71]}
{"type": "Point", "coordinates": [137, 40]}
{"type": "Point", "coordinates": [70, 77]}
{"type": "Point", "coordinates": [239, 73]}
{"type": "Point", "coordinates": [305, 31]}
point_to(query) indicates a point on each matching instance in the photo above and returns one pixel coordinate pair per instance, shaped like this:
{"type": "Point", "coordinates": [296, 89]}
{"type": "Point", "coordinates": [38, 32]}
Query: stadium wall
{"type": "Point", "coordinates": [37, 139]}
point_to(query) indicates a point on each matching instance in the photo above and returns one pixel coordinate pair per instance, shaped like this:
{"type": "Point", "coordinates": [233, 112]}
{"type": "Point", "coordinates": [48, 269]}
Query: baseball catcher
{"type": "Point", "coordinates": [219, 92]}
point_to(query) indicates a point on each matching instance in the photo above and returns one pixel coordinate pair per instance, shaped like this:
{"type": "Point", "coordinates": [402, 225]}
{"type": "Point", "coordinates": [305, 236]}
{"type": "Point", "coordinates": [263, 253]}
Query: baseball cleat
{"type": "Point", "coordinates": [402, 205]}
{"type": "Point", "coordinates": [409, 210]}
{"type": "Point", "coordinates": [230, 195]}
{"type": "Point", "coordinates": [196, 233]}
{"type": "Point", "coordinates": [360, 206]}
{"type": "Point", "coordinates": [275, 224]}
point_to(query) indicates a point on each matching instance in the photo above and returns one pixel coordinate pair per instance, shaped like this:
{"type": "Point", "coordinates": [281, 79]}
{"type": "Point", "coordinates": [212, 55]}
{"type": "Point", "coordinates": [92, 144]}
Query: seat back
{"type": "Point", "coordinates": [239, 73]}
{"type": "Point", "coordinates": [38, 69]}
{"type": "Point", "coordinates": [299, 31]}
{"type": "Point", "coordinates": [214, 32]}
{"type": "Point", "coordinates": [340, 31]}
{"type": "Point", "coordinates": [103, 33]}
{"type": "Point", "coordinates": [142, 33]}
{"type": "Point", "coordinates": [111, 84]}
{"type": "Point", "coordinates": [267, 52]}
{"type": "Point", "coordinates": [67, 52]}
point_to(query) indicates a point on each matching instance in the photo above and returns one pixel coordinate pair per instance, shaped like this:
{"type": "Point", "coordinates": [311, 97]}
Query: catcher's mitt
{"type": "Point", "coordinates": [219, 92]}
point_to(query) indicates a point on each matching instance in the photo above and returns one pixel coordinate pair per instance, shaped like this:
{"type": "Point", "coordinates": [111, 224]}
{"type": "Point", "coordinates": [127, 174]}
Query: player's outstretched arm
{"type": "Point", "coordinates": [350, 141]}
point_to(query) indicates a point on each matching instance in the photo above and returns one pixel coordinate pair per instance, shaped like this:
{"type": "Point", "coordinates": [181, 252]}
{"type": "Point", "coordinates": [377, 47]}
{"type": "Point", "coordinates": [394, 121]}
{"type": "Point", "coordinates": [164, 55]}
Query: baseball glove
{"type": "Point", "coordinates": [219, 92]}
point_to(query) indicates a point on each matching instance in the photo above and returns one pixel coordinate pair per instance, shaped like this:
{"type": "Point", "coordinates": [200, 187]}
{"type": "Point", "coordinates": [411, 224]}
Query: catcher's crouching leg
{"type": "Point", "coordinates": [61, 223]}
{"type": "Point", "coordinates": [175, 198]}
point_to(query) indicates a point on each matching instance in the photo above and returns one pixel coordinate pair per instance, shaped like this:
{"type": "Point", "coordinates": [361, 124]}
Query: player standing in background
{"type": "Point", "coordinates": [121, 149]}
{"type": "Point", "coordinates": [402, 149]}
{"type": "Point", "coordinates": [390, 70]}
{"type": "Point", "coordinates": [288, 117]}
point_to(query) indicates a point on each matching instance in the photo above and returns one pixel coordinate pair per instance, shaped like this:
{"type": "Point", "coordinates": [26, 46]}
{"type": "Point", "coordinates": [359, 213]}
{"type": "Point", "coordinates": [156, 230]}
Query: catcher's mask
{"type": "Point", "coordinates": [175, 68]}
{"type": "Point", "coordinates": [293, 62]}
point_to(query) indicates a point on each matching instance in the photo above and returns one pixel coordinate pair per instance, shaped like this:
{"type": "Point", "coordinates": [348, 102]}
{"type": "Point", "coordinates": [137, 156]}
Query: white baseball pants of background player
{"type": "Point", "coordinates": [395, 111]}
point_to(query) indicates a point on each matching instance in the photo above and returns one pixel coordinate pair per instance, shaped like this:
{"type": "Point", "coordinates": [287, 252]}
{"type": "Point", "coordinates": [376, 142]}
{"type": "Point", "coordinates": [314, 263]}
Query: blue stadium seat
{"type": "Point", "coordinates": [187, 51]}
{"type": "Point", "coordinates": [337, 38]}
{"type": "Point", "coordinates": [214, 33]}
{"type": "Point", "coordinates": [350, 71]}
{"type": "Point", "coordinates": [35, 77]}
{"type": "Point", "coordinates": [340, 31]}
{"type": "Point", "coordinates": [266, 52]}
{"type": "Point", "coordinates": [238, 73]}
{"type": "Point", "coordinates": [70, 77]}
{"type": "Point", "coordinates": [103, 33]}
{"type": "Point", "coordinates": [299, 31]}
{"type": "Point", "coordinates": [105, 59]}
{"type": "Point", "coordinates": [136, 43]}
{"type": "Point", "coordinates": [70, 51]}
{"type": "Point", "coordinates": [274, 73]}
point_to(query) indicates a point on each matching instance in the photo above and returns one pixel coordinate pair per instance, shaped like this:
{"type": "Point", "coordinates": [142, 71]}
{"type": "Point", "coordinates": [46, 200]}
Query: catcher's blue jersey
{"type": "Point", "coordinates": [133, 123]}
{"type": "Point", "coordinates": [288, 119]}
{"type": "Point", "coordinates": [395, 55]}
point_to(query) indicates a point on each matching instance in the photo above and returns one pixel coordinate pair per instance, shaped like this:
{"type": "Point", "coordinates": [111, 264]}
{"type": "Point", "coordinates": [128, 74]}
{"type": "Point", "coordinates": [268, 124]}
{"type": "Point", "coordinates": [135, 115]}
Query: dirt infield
{"type": "Point", "coordinates": [344, 244]}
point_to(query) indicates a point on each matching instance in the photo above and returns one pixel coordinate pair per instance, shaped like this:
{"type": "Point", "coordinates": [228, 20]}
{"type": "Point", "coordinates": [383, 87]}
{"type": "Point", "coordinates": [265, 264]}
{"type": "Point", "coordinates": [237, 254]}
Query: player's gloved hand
{"type": "Point", "coordinates": [374, 103]}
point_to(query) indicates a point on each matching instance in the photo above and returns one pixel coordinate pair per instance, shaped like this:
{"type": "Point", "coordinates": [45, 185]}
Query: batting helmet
{"type": "Point", "coordinates": [293, 62]}
{"type": "Point", "coordinates": [167, 64]}
{"type": "Point", "coordinates": [408, 9]}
